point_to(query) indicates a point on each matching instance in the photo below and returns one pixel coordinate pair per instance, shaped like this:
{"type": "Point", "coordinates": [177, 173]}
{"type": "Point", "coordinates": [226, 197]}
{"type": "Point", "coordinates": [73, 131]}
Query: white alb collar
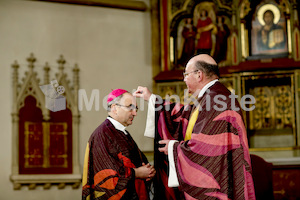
{"type": "Point", "coordinates": [208, 85]}
{"type": "Point", "coordinates": [117, 125]}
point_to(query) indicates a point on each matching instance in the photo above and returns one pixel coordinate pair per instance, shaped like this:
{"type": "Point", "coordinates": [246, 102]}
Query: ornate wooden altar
{"type": "Point", "coordinates": [270, 73]}
{"type": "Point", "coordinates": [256, 56]}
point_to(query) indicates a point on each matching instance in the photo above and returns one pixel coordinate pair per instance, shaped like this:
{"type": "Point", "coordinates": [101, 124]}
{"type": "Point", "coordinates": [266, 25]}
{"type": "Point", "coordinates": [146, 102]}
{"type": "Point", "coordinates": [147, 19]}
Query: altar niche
{"type": "Point", "coordinates": [46, 140]}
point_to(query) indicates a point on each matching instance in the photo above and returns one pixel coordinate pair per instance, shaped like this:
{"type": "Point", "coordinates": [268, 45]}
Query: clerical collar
{"type": "Point", "coordinates": [208, 85]}
{"type": "Point", "coordinates": [117, 125]}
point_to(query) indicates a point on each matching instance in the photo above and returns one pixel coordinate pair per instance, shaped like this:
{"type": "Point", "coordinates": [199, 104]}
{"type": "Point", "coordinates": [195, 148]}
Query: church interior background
{"type": "Point", "coordinates": [102, 45]}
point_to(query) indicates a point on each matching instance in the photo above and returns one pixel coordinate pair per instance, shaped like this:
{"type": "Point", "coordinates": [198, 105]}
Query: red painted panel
{"type": "Point", "coordinates": [44, 147]}
{"type": "Point", "coordinates": [35, 145]}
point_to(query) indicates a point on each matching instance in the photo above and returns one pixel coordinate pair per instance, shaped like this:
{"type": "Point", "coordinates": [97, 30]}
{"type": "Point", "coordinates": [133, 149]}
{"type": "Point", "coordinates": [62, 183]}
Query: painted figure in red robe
{"type": "Point", "coordinates": [205, 26]}
{"type": "Point", "coordinates": [188, 36]}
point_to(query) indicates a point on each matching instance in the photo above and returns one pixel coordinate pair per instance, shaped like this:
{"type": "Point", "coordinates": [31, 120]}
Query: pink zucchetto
{"type": "Point", "coordinates": [115, 93]}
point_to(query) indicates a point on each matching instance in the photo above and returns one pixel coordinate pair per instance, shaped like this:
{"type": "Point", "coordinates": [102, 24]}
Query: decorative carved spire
{"type": "Point", "coordinates": [15, 79]}
{"type": "Point", "coordinates": [76, 87]}
{"type": "Point", "coordinates": [15, 66]}
{"type": "Point", "coordinates": [46, 75]}
{"type": "Point", "coordinates": [31, 59]}
{"type": "Point", "coordinates": [61, 61]}
{"type": "Point", "coordinates": [75, 75]}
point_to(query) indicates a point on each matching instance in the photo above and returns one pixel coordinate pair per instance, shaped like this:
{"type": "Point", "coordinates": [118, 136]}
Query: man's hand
{"type": "Point", "coordinates": [142, 92]}
{"type": "Point", "coordinates": [146, 171]}
{"type": "Point", "coordinates": [152, 172]}
{"type": "Point", "coordinates": [165, 148]}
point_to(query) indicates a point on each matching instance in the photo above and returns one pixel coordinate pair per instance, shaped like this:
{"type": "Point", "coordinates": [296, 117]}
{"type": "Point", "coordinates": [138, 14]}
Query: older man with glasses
{"type": "Point", "coordinates": [114, 166]}
{"type": "Point", "coordinates": [206, 145]}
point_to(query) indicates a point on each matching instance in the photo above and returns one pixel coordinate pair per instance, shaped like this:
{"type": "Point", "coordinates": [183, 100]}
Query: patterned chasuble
{"type": "Point", "coordinates": [213, 160]}
{"type": "Point", "coordinates": [108, 166]}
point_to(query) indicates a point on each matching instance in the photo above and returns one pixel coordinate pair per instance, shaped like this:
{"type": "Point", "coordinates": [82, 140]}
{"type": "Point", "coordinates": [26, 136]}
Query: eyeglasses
{"type": "Point", "coordinates": [131, 107]}
{"type": "Point", "coordinates": [185, 74]}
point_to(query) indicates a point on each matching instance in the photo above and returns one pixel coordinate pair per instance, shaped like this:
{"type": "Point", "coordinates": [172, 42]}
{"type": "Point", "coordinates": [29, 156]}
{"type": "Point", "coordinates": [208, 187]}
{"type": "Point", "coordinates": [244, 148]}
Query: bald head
{"type": "Point", "coordinates": [203, 58]}
{"type": "Point", "coordinates": [200, 70]}
{"type": "Point", "coordinates": [206, 64]}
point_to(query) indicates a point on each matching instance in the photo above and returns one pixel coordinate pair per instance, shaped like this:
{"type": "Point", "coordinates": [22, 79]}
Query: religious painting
{"type": "Point", "coordinates": [186, 40]}
{"type": "Point", "coordinates": [203, 30]}
{"type": "Point", "coordinates": [269, 32]}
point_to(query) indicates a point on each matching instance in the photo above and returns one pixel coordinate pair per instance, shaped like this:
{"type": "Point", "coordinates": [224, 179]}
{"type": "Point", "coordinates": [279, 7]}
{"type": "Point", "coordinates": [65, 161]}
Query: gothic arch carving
{"type": "Point", "coordinates": [30, 86]}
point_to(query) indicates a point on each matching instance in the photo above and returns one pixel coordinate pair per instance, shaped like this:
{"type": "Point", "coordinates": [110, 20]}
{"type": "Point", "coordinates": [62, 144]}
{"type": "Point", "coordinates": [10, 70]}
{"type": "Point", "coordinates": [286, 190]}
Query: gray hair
{"type": "Point", "coordinates": [114, 101]}
{"type": "Point", "coordinates": [208, 69]}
